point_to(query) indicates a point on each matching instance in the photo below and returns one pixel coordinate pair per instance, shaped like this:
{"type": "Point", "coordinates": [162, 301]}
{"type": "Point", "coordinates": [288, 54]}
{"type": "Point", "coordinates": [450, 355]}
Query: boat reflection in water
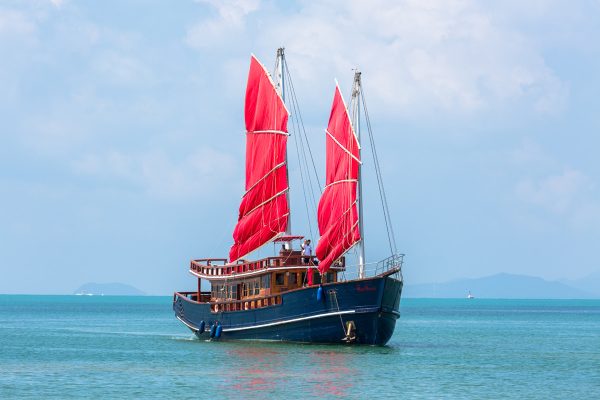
{"type": "Point", "coordinates": [264, 368]}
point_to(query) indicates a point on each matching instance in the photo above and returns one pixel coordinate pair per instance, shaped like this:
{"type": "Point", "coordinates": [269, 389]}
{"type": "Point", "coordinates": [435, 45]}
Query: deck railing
{"type": "Point", "coordinates": [393, 262]}
{"type": "Point", "coordinates": [220, 267]}
{"type": "Point", "coordinates": [204, 296]}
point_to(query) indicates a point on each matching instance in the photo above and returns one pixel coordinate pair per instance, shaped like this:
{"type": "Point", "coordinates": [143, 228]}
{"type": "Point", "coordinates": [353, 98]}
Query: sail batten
{"type": "Point", "coordinates": [337, 211]}
{"type": "Point", "coordinates": [340, 181]}
{"type": "Point", "coordinates": [284, 191]}
{"type": "Point", "coordinates": [263, 211]}
{"type": "Point", "coordinates": [264, 177]}
{"type": "Point", "coordinates": [270, 131]}
{"type": "Point", "coordinates": [342, 147]}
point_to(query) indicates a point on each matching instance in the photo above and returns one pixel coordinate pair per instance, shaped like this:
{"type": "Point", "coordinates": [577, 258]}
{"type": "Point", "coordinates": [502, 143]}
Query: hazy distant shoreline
{"type": "Point", "coordinates": [508, 286]}
{"type": "Point", "coordinates": [499, 286]}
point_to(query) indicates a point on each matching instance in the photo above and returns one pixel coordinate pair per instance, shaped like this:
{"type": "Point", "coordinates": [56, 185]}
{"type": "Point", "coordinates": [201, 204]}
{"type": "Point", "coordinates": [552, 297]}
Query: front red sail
{"type": "Point", "coordinates": [264, 209]}
{"type": "Point", "coordinates": [338, 214]}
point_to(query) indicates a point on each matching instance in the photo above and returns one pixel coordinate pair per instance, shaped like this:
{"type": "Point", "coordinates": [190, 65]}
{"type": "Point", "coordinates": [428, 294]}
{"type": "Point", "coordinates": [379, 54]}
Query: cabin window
{"type": "Point", "coordinates": [266, 281]}
{"type": "Point", "coordinates": [218, 291]}
{"type": "Point", "coordinates": [279, 278]}
{"type": "Point", "coordinates": [293, 278]}
{"type": "Point", "coordinates": [248, 288]}
{"type": "Point", "coordinates": [256, 287]}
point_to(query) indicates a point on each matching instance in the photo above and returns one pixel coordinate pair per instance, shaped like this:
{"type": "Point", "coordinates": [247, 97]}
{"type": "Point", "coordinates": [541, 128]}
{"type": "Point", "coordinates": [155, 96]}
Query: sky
{"type": "Point", "coordinates": [122, 136]}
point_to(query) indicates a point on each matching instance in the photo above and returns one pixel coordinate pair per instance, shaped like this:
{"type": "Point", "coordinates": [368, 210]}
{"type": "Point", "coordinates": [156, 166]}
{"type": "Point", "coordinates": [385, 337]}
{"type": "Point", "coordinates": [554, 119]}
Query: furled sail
{"type": "Point", "coordinates": [263, 213]}
{"type": "Point", "coordinates": [337, 213]}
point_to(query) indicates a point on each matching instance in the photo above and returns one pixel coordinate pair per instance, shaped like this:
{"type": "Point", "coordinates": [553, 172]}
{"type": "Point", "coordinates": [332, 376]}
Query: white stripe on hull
{"type": "Point", "coordinates": [289, 321]}
{"type": "Point", "coordinates": [192, 327]}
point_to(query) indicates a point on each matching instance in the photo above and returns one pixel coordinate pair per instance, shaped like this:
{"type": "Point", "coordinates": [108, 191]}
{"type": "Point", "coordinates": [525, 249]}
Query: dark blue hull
{"type": "Point", "coordinates": [370, 306]}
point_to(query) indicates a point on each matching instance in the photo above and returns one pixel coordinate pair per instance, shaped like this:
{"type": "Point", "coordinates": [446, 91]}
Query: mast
{"type": "Point", "coordinates": [280, 85]}
{"type": "Point", "coordinates": [355, 105]}
{"type": "Point", "coordinates": [279, 72]}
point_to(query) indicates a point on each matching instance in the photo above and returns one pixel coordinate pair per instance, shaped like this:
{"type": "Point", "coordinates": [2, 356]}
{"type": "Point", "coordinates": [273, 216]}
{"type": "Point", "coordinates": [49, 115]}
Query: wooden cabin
{"type": "Point", "coordinates": [248, 285]}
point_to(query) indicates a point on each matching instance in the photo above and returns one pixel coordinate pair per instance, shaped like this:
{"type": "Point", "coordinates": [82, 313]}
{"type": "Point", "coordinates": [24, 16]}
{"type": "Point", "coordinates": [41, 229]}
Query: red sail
{"type": "Point", "coordinates": [338, 214]}
{"type": "Point", "coordinates": [264, 210]}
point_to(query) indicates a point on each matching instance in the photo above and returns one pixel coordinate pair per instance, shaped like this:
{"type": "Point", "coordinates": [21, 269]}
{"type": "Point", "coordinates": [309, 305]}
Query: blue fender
{"type": "Point", "coordinates": [218, 331]}
{"type": "Point", "coordinates": [201, 327]}
{"type": "Point", "coordinates": [213, 330]}
{"type": "Point", "coordinates": [320, 294]}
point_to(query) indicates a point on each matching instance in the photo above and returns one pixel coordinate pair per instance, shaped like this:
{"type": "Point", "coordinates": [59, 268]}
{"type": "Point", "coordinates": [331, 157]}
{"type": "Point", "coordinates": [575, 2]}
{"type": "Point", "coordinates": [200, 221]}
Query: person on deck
{"type": "Point", "coordinates": [308, 259]}
{"type": "Point", "coordinates": [306, 251]}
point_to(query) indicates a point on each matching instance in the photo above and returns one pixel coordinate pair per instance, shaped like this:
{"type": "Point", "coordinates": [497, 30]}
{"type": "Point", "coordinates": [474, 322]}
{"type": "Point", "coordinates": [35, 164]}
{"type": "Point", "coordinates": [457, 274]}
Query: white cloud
{"type": "Point", "coordinates": [201, 173]}
{"type": "Point", "coordinates": [57, 3]}
{"type": "Point", "coordinates": [448, 55]}
{"type": "Point", "coordinates": [16, 23]}
{"type": "Point", "coordinates": [530, 155]}
{"type": "Point", "coordinates": [416, 55]}
{"type": "Point", "coordinates": [52, 134]}
{"type": "Point", "coordinates": [233, 10]}
{"type": "Point", "coordinates": [587, 216]}
{"type": "Point", "coordinates": [229, 22]}
{"type": "Point", "coordinates": [568, 196]}
{"type": "Point", "coordinates": [557, 193]}
{"type": "Point", "coordinates": [120, 68]}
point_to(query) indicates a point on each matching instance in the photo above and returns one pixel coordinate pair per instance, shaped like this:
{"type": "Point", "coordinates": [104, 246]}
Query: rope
{"type": "Point", "coordinates": [382, 196]}
{"type": "Point", "coordinates": [301, 152]}
{"type": "Point", "coordinates": [301, 122]}
{"type": "Point", "coordinates": [303, 186]}
{"type": "Point", "coordinates": [333, 295]}
{"type": "Point", "coordinates": [304, 148]}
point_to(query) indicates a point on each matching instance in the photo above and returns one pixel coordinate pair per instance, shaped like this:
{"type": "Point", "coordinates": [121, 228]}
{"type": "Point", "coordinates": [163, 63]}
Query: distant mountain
{"type": "Point", "coordinates": [589, 283]}
{"type": "Point", "coordinates": [109, 289]}
{"type": "Point", "coordinates": [505, 286]}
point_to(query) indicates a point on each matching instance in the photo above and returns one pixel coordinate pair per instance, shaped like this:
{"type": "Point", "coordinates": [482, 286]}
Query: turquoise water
{"type": "Point", "coordinates": [133, 347]}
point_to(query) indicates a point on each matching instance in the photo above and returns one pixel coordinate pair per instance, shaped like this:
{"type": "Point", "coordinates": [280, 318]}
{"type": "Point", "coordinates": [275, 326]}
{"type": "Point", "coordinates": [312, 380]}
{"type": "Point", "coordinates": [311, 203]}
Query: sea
{"type": "Point", "coordinates": [114, 347]}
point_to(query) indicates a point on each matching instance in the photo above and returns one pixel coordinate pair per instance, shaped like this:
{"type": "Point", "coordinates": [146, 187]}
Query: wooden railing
{"type": "Point", "coordinates": [219, 266]}
{"type": "Point", "coordinates": [204, 296]}
{"type": "Point", "coordinates": [231, 305]}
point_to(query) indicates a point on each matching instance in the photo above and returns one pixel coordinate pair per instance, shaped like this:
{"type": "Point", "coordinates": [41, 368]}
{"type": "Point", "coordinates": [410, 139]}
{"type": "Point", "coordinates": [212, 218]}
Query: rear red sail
{"type": "Point", "coordinates": [264, 212]}
{"type": "Point", "coordinates": [338, 214]}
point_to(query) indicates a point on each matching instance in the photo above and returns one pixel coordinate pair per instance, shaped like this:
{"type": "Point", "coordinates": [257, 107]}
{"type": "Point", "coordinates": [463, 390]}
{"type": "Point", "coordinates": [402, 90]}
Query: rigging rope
{"type": "Point", "coordinates": [301, 151]}
{"type": "Point", "coordinates": [303, 186]}
{"type": "Point", "coordinates": [383, 198]}
{"type": "Point", "coordinates": [301, 122]}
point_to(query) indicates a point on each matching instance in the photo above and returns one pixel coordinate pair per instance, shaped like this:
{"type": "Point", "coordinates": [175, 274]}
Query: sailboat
{"type": "Point", "coordinates": [292, 296]}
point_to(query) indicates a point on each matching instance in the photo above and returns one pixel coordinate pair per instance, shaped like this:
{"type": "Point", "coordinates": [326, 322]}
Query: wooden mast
{"type": "Point", "coordinates": [355, 104]}
{"type": "Point", "coordinates": [280, 85]}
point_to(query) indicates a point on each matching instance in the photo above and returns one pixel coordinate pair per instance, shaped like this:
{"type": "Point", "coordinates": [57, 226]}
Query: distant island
{"type": "Point", "coordinates": [508, 286]}
{"type": "Point", "coordinates": [108, 289]}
